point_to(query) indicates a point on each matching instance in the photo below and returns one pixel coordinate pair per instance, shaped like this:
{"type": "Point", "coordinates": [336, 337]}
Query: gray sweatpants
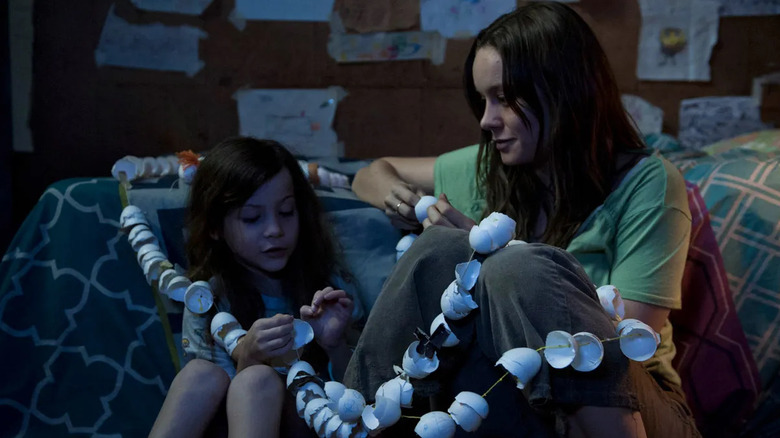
{"type": "Point", "coordinates": [523, 292]}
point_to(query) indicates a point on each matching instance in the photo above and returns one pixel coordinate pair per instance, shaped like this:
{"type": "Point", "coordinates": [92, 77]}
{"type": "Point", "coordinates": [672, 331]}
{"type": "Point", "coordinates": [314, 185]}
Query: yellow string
{"type": "Point", "coordinates": [494, 385]}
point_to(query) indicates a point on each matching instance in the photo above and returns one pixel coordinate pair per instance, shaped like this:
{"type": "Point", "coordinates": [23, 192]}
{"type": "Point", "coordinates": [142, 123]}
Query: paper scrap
{"type": "Point", "coordinates": [378, 15]}
{"type": "Point", "coordinates": [387, 46]}
{"type": "Point", "coordinates": [283, 10]}
{"type": "Point", "coordinates": [300, 119]}
{"type": "Point", "coordinates": [676, 39]}
{"type": "Point", "coordinates": [706, 120]}
{"type": "Point", "coordinates": [648, 118]}
{"type": "Point", "coordinates": [20, 33]}
{"type": "Point", "coordinates": [188, 7]}
{"type": "Point", "coordinates": [461, 18]}
{"type": "Point", "coordinates": [150, 46]}
{"type": "Point", "coordinates": [731, 8]}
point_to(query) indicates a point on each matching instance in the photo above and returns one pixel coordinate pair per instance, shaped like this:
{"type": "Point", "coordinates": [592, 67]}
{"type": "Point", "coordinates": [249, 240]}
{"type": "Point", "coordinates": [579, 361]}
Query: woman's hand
{"type": "Point", "coordinates": [329, 315]}
{"type": "Point", "coordinates": [399, 206]}
{"type": "Point", "coordinates": [443, 213]}
{"type": "Point", "coordinates": [266, 339]}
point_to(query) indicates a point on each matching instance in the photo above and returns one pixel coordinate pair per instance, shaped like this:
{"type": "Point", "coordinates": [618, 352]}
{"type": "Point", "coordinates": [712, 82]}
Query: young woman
{"type": "Point", "coordinates": [256, 231]}
{"type": "Point", "coordinates": [560, 156]}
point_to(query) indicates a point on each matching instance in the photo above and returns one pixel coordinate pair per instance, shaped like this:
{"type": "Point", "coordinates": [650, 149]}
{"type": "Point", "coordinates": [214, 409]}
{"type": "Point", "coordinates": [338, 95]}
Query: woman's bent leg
{"type": "Point", "coordinates": [193, 399]}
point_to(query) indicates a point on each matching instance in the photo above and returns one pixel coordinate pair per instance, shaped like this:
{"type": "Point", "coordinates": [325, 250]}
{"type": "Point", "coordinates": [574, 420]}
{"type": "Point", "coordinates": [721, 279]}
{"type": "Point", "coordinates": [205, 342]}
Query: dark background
{"type": "Point", "coordinates": [84, 118]}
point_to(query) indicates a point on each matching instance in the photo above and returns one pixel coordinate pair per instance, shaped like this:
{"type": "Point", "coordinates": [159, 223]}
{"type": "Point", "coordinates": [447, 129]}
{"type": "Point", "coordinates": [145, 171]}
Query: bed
{"type": "Point", "coordinates": [91, 348]}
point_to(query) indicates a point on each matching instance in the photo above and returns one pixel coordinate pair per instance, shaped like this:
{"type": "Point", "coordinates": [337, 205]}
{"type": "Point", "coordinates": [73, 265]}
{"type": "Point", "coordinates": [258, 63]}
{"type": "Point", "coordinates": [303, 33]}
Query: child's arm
{"type": "Point", "coordinates": [329, 315]}
{"type": "Point", "coordinates": [266, 339]}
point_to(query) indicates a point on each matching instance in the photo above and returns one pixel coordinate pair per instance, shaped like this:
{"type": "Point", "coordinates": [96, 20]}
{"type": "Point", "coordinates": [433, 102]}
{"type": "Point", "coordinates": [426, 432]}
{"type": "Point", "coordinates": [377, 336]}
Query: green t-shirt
{"type": "Point", "coordinates": [637, 240]}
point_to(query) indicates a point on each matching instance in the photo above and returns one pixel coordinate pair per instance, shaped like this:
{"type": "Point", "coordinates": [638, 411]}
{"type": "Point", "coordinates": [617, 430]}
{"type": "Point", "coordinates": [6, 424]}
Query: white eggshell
{"type": "Point", "coordinates": [384, 413]}
{"type": "Point", "coordinates": [480, 240]}
{"type": "Point", "coordinates": [456, 303]}
{"type": "Point", "coordinates": [187, 173]}
{"type": "Point", "coordinates": [198, 298]}
{"type": "Point", "coordinates": [612, 301]}
{"type": "Point", "coordinates": [133, 233]}
{"type": "Point", "coordinates": [148, 166]}
{"type": "Point", "coordinates": [332, 426]}
{"type": "Point", "coordinates": [131, 216]}
{"type": "Point", "coordinates": [638, 340]}
{"type": "Point", "coordinates": [523, 363]}
{"type": "Point", "coordinates": [312, 408]}
{"type": "Point", "coordinates": [297, 367]}
{"type": "Point", "coordinates": [435, 424]}
{"type": "Point", "coordinates": [351, 405]}
{"type": "Point", "coordinates": [474, 401]}
{"type": "Point", "coordinates": [151, 268]}
{"type": "Point", "coordinates": [398, 389]}
{"type": "Point", "coordinates": [417, 365]}
{"type": "Point", "coordinates": [421, 208]}
{"type": "Point", "coordinates": [163, 166]}
{"type": "Point", "coordinates": [320, 419]}
{"type": "Point", "coordinates": [466, 274]}
{"type": "Point", "coordinates": [560, 349]}
{"type": "Point", "coordinates": [590, 352]}
{"type": "Point", "coordinates": [464, 416]}
{"type": "Point", "coordinates": [309, 391]}
{"type": "Point", "coordinates": [451, 340]}
{"type": "Point", "coordinates": [516, 242]}
{"type": "Point", "coordinates": [129, 165]}
{"type": "Point", "coordinates": [403, 244]}
{"type": "Point", "coordinates": [144, 237]}
{"type": "Point", "coordinates": [221, 319]}
{"type": "Point", "coordinates": [165, 278]}
{"type": "Point", "coordinates": [334, 390]}
{"type": "Point", "coordinates": [154, 254]}
{"type": "Point", "coordinates": [303, 333]}
{"type": "Point", "coordinates": [177, 287]}
{"type": "Point", "coordinates": [145, 249]}
{"type": "Point", "coordinates": [500, 227]}
{"type": "Point", "coordinates": [346, 429]}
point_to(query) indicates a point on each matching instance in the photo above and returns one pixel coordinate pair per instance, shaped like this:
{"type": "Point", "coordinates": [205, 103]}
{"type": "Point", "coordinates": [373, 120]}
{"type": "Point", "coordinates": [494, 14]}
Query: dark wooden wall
{"type": "Point", "coordinates": [84, 118]}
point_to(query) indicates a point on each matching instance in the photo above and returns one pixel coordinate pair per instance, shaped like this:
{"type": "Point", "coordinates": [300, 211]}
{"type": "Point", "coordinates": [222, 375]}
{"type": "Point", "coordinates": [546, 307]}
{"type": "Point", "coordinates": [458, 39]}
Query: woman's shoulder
{"type": "Point", "coordinates": [652, 182]}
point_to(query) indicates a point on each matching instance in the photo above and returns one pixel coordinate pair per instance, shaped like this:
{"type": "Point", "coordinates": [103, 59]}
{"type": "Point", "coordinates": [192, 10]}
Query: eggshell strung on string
{"type": "Point", "coordinates": [480, 240]}
{"type": "Point", "coordinates": [298, 367]}
{"type": "Point", "coordinates": [151, 268]}
{"type": "Point", "coordinates": [590, 352]}
{"type": "Point", "coordinates": [198, 298]}
{"type": "Point", "coordinates": [306, 393]}
{"type": "Point", "coordinates": [149, 165]}
{"type": "Point", "coordinates": [350, 430]}
{"type": "Point", "coordinates": [221, 324]}
{"type": "Point", "coordinates": [165, 278]}
{"type": "Point", "coordinates": [129, 165]}
{"type": "Point", "coordinates": [514, 242]}
{"type": "Point", "coordinates": [421, 208]}
{"type": "Point", "coordinates": [332, 426]}
{"type": "Point", "coordinates": [143, 250]}
{"type": "Point", "coordinates": [561, 348]}
{"type": "Point", "coordinates": [351, 405]}
{"type": "Point", "coordinates": [451, 340]}
{"type": "Point", "coordinates": [612, 302]}
{"type": "Point", "coordinates": [334, 390]}
{"type": "Point", "coordinates": [403, 244]}
{"type": "Point", "coordinates": [132, 235]}
{"type": "Point", "coordinates": [187, 173]}
{"type": "Point", "coordinates": [177, 287]}
{"type": "Point", "coordinates": [500, 227]}
{"type": "Point", "coordinates": [455, 303]}
{"type": "Point", "coordinates": [155, 254]}
{"type": "Point", "coordinates": [130, 217]}
{"type": "Point", "coordinates": [312, 408]}
{"type": "Point", "coordinates": [637, 340]}
{"type": "Point", "coordinates": [320, 419]}
{"type": "Point", "coordinates": [417, 365]}
{"type": "Point", "coordinates": [468, 410]}
{"type": "Point", "coordinates": [398, 389]}
{"type": "Point", "coordinates": [384, 413]}
{"type": "Point", "coordinates": [466, 274]}
{"type": "Point", "coordinates": [144, 237]}
{"type": "Point", "coordinates": [435, 424]}
{"type": "Point", "coordinates": [522, 363]}
{"type": "Point", "coordinates": [163, 166]}
{"type": "Point", "coordinates": [304, 333]}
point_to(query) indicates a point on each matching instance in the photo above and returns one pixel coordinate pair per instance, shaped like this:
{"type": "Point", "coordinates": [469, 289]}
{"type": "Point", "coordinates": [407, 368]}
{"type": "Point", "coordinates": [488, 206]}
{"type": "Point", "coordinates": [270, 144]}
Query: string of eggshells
{"type": "Point", "coordinates": [333, 410]}
{"type": "Point", "coordinates": [130, 168]}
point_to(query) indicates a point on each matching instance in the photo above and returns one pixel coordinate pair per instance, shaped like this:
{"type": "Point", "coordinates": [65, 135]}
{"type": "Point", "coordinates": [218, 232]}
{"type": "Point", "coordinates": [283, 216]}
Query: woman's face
{"type": "Point", "coordinates": [263, 233]}
{"type": "Point", "coordinates": [515, 141]}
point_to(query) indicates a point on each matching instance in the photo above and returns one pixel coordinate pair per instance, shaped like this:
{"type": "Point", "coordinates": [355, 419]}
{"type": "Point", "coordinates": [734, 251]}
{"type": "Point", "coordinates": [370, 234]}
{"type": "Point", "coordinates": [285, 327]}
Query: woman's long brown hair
{"type": "Point", "coordinates": [553, 63]}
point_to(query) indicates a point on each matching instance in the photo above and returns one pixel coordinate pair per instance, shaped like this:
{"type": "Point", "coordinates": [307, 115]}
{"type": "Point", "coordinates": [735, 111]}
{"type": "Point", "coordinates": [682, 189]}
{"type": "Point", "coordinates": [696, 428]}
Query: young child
{"type": "Point", "coordinates": [256, 232]}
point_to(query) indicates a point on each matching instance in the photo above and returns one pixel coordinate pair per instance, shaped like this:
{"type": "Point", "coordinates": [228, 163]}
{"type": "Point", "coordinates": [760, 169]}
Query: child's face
{"type": "Point", "coordinates": [263, 233]}
{"type": "Point", "coordinates": [515, 141]}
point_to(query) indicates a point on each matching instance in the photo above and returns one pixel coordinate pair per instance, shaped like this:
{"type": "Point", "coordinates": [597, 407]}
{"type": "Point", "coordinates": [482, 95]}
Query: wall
{"type": "Point", "coordinates": [84, 118]}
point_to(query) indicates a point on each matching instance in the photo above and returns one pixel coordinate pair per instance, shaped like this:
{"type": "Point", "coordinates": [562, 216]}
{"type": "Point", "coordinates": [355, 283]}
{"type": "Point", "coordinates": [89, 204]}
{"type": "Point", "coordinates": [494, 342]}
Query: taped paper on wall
{"type": "Point", "coordinates": [459, 18]}
{"type": "Point", "coordinates": [387, 46]}
{"type": "Point", "coordinates": [676, 39]}
{"type": "Point", "coordinates": [732, 8]}
{"type": "Point", "coordinates": [281, 10]}
{"type": "Point", "coordinates": [648, 118]}
{"type": "Point", "coordinates": [188, 7]}
{"type": "Point", "coordinates": [706, 120]}
{"type": "Point", "coordinates": [300, 119]}
{"type": "Point", "coordinates": [149, 46]}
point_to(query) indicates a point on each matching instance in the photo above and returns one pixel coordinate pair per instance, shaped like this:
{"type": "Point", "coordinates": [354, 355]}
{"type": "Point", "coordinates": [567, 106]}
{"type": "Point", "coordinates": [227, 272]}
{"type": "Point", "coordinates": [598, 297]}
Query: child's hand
{"type": "Point", "coordinates": [329, 315]}
{"type": "Point", "coordinates": [266, 339]}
